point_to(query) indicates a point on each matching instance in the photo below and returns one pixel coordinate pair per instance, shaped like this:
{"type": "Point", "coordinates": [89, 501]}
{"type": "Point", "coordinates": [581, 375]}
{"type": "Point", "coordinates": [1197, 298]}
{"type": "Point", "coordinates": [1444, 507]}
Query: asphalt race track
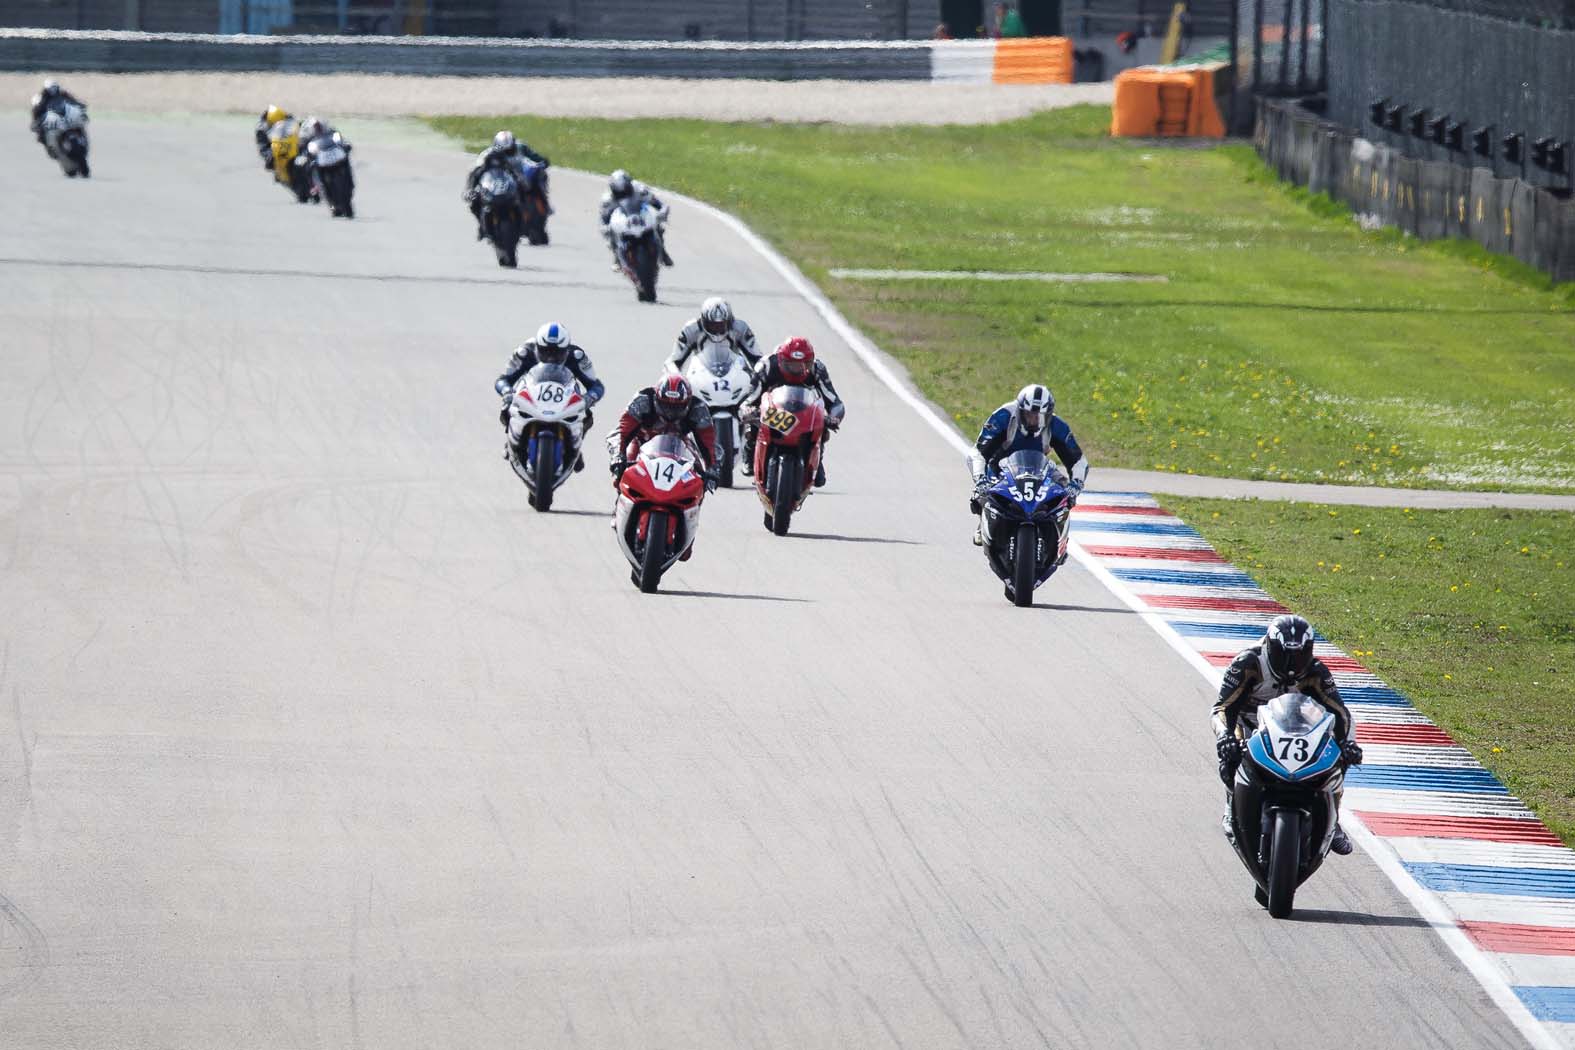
{"type": "Point", "coordinates": [320, 737]}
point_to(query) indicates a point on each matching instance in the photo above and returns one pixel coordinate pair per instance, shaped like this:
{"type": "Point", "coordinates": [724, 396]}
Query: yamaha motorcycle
{"type": "Point", "coordinates": [1023, 516]}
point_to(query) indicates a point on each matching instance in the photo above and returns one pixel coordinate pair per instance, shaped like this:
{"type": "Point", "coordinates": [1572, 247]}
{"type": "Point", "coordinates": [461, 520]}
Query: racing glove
{"type": "Point", "coordinates": [617, 467]}
{"type": "Point", "coordinates": [502, 387]}
{"type": "Point", "coordinates": [1229, 750]}
{"type": "Point", "coordinates": [1351, 752]}
{"type": "Point", "coordinates": [711, 477]}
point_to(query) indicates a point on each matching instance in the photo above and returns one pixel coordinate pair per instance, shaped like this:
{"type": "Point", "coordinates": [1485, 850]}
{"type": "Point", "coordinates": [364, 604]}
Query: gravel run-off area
{"type": "Point", "coordinates": [357, 94]}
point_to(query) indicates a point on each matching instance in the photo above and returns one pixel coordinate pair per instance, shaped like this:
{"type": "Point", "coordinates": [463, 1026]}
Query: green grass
{"type": "Point", "coordinates": [1288, 344]}
{"type": "Point", "coordinates": [1470, 613]}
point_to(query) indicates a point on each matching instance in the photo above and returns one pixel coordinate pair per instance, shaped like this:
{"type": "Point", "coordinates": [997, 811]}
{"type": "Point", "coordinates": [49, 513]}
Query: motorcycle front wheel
{"type": "Point", "coordinates": [1285, 856]}
{"type": "Point", "coordinates": [655, 553]}
{"type": "Point", "coordinates": [1025, 567]}
{"type": "Point", "coordinates": [544, 470]}
{"type": "Point", "coordinates": [784, 483]}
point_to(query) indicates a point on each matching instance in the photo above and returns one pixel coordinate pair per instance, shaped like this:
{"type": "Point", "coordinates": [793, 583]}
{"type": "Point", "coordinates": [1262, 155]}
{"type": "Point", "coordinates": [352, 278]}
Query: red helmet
{"type": "Point", "coordinates": [672, 398]}
{"type": "Point", "coordinates": [796, 358]}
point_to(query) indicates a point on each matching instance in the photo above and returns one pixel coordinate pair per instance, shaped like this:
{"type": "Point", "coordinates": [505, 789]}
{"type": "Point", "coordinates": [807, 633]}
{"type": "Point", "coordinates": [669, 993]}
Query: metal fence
{"type": "Point", "coordinates": [1428, 198]}
{"type": "Point", "coordinates": [1438, 83]}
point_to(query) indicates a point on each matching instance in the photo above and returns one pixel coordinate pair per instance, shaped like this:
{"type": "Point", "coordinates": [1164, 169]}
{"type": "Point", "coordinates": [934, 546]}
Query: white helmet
{"type": "Point", "coordinates": [716, 317]}
{"type": "Point", "coordinates": [503, 140]}
{"type": "Point", "coordinates": [552, 343]}
{"type": "Point", "coordinates": [1035, 406]}
{"type": "Point", "coordinates": [311, 127]}
{"type": "Point", "coordinates": [620, 184]}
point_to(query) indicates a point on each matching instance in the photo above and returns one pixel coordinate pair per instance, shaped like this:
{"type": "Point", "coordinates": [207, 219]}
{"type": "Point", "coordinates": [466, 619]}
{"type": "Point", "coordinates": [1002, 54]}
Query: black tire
{"type": "Point", "coordinates": [506, 239]}
{"type": "Point", "coordinates": [787, 481]}
{"type": "Point", "coordinates": [646, 264]}
{"type": "Point", "coordinates": [536, 225]}
{"type": "Point", "coordinates": [1025, 569]}
{"type": "Point", "coordinates": [544, 469]}
{"type": "Point", "coordinates": [726, 452]}
{"type": "Point", "coordinates": [1285, 859]}
{"type": "Point", "coordinates": [655, 551]}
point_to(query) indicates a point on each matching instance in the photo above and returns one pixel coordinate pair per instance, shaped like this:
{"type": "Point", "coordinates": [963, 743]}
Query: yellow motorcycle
{"type": "Point", "coordinates": [284, 141]}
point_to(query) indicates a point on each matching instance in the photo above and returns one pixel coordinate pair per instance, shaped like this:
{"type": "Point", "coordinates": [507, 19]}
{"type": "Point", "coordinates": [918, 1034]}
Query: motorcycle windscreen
{"type": "Point", "coordinates": [495, 183]}
{"type": "Point", "coordinates": [794, 398]}
{"type": "Point", "coordinates": [1295, 713]}
{"type": "Point", "coordinates": [717, 356]}
{"type": "Point", "coordinates": [545, 373]}
{"type": "Point", "coordinates": [670, 446]}
{"type": "Point", "coordinates": [1026, 464]}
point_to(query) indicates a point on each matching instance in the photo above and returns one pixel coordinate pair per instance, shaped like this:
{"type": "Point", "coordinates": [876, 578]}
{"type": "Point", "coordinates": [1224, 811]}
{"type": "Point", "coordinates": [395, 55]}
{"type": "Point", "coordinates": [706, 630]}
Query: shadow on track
{"type": "Point", "coordinates": [579, 513]}
{"type": "Point", "coordinates": [1085, 608]}
{"type": "Point", "coordinates": [1356, 918]}
{"type": "Point", "coordinates": [740, 597]}
{"type": "Point", "coordinates": [853, 539]}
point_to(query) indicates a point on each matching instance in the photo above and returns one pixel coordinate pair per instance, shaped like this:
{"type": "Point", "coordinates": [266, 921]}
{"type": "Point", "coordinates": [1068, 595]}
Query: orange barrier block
{"type": "Point", "coordinates": [1033, 60]}
{"type": "Point", "coordinates": [1167, 100]}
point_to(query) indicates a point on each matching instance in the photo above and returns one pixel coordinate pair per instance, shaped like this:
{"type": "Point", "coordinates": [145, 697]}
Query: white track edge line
{"type": "Point", "coordinates": [1426, 904]}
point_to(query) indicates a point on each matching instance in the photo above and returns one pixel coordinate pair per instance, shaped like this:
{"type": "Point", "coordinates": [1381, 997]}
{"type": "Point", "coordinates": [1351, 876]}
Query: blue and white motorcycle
{"type": "Point", "coordinates": [1285, 801]}
{"type": "Point", "coordinates": [1023, 522]}
{"type": "Point", "coordinates": [547, 409]}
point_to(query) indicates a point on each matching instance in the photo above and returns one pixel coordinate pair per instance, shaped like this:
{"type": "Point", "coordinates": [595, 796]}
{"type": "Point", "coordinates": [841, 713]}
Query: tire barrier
{"type": "Point", "coordinates": [1040, 60]}
{"type": "Point", "coordinates": [1167, 101]}
{"type": "Point", "coordinates": [1423, 197]}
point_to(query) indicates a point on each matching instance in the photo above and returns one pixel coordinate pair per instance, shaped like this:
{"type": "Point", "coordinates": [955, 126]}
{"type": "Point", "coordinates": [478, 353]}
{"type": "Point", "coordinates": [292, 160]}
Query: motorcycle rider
{"type": "Point", "coordinates": [505, 151]}
{"type": "Point", "coordinates": [311, 130]}
{"type": "Point", "coordinates": [1027, 424]}
{"type": "Point", "coordinates": [791, 364]}
{"type": "Point", "coordinates": [49, 97]}
{"type": "Point", "coordinates": [621, 188]}
{"type": "Point", "coordinates": [271, 116]}
{"type": "Point", "coordinates": [1283, 662]}
{"type": "Point", "coordinates": [669, 407]}
{"type": "Point", "coordinates": [552, 346]}
{"type": "Point", "coordinates": [716, 323]}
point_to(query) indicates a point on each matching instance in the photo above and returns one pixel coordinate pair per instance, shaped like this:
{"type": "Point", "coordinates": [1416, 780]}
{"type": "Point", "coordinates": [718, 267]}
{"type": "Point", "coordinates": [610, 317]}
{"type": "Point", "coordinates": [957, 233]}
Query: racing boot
{"type": "Point", "coordinates": [579, 461]}
{"type": "Point", "coordinates": [820, 474]}
{"type": "Point", "coordinates": [1341, 843]}
{"type": "Point", "coordinates": [978, 534]}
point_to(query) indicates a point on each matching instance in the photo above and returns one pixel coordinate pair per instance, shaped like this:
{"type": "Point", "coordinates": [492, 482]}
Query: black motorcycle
{"type": "Point", "coordinates": [637, 242]}
{"type": "Point", "coordinates": [501, 217]}
{"type": "Point", "coordinates": [533, 202]}
{"type": "Point", "coordinates": [328, 163]}
{"type": "Point", "coordinates": [1023, 520]}
{"type": "Point", "coordinates": [1285, 798]}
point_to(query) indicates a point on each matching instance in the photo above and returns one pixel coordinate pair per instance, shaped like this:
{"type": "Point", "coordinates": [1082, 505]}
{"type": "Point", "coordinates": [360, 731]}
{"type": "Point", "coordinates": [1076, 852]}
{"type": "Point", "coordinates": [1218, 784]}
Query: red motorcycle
{"type": "Point", "coordinates": [787, 451]}
{"type": "Point", "coordinates": [658, 508]}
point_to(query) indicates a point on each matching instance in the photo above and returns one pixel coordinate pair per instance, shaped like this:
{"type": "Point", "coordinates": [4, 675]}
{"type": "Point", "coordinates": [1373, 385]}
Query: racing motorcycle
{"type": "Point", "coordinates": [720, 378]}
{"type": "Point", "coordinates": [1023, 514]}
{"type": "Point", "coordinates": [65, 137]}
{"type": "Point", "coordinates": [637, 243]}
{"type": "Point", "coordinates": [328, 166]}
{"type": "Point", "coordinates": [285, 143]}
{"type": "Point", "coordinates": [533, 202]}
{"type": "Point", "coordinates": [546, 425]}
{"type": "Point", "coordinates": [501, 213]}
{"type": "Point", "coordinates": [1285, 800]}
{"type": "Point", "coordinates": [658, 508]}
{"type": "Point", "coordinates": [787, 451]}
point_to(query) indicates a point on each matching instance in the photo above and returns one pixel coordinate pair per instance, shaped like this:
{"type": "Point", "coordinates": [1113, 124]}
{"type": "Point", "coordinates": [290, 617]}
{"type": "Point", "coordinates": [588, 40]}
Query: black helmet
{"type": "Point", "coordinates": [1288, 649]}
{"type": "Point", "coordinates": [51, 89]}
